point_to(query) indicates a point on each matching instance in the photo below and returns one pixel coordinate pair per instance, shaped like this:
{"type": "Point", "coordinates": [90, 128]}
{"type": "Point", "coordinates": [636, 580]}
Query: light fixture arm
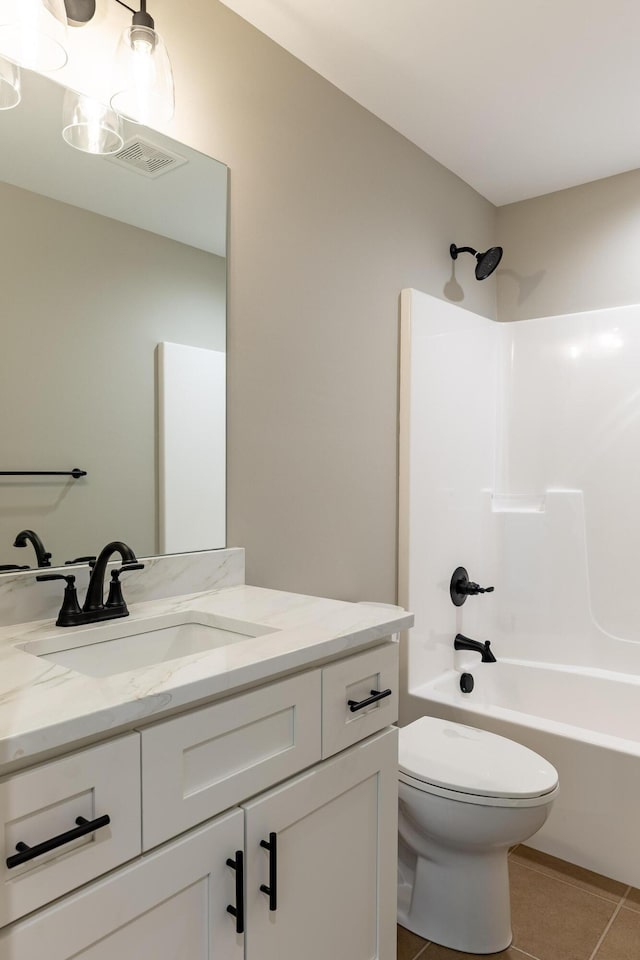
{"type": "Point", "coordinates": [142, 18]}
{"type": "Point", "coordinates": [80, 12]}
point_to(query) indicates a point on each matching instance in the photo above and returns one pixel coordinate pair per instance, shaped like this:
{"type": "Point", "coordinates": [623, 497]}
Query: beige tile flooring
{"type": "Point", "coordinates": [558, 912]}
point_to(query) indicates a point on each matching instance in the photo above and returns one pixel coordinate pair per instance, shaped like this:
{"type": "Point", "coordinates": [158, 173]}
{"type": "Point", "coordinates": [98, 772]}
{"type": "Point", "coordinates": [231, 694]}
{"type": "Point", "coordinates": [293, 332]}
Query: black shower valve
{"type": "Point", "coordinates": [461, 587]}
{"type": "Point", "coordinates": [472, 589]}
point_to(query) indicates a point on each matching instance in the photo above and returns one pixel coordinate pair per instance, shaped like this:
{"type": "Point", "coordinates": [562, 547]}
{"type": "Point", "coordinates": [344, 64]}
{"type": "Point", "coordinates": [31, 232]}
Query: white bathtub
{"type": "Point", "coordinates": [585, 722]}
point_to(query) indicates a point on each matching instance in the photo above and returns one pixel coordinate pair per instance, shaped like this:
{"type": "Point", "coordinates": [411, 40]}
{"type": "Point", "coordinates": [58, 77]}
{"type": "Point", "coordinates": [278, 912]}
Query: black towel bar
{"type": "Point", "coordinates": [75, 473]}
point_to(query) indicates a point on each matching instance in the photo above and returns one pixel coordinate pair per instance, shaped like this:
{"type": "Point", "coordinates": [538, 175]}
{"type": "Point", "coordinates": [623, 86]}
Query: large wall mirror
{"type": "Point", "coordinates": [113, 279]}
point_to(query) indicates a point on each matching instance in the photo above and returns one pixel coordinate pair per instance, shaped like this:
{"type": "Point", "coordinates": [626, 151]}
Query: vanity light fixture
{"type": "Point", "coordinates": [79, 12]}
{"type": "Point", "coordinates": [33, 33]}
{"type": "Point", "coordinates": [143, 78]}
{"type": "Point", "coordinates": [143, 85]}
{"type": "Point", "coordinates": [90, 126]}
{"type": "Point", "coordinates": [143, 89]}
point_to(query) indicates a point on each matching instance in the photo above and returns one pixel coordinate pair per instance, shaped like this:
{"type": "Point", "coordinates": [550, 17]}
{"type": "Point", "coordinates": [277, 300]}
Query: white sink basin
{"type": "Point", "coordinates": [122, 645]}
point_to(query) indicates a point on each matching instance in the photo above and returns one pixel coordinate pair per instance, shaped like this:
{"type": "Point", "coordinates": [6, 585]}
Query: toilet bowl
{"type": "Point", "coordinates": [465, 797]}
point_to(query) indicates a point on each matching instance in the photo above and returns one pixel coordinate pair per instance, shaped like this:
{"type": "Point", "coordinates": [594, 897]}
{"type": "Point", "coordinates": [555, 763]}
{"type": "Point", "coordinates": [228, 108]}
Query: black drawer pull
{"type": "Point", "coordinates": [272, 890]}
{"type": "Point", "coordinates": [238, 910]}
{"type": "Point", "coordinates": [375, 696]}
{"type": "Point", "coordinates": [84, 827]}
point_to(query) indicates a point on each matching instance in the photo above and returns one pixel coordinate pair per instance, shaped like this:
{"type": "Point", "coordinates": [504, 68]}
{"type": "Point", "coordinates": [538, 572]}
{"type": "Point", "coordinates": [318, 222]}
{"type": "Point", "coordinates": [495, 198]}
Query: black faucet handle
{"type": "Point", "coordinates": [115, 600]}
{"type": "Point", "coordinates": [461, 587]}
{"type": "Point", "coordinates": [89, 560]}
{"type": "Point", "coordinates": [70, 606]}
{"type": "Point", "coordinates": [70, 578]}
{"type": "Point", "coordinates": [472, 589]}
{"type": "Point", "coordinates": [115, 574]}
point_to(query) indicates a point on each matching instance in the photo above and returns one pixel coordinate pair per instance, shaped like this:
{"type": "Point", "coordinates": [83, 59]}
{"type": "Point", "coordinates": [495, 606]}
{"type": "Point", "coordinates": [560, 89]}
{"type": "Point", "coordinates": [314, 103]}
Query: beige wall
{"type": "Point", "coordinates": [86, 301]}
{"type": "Point", "coordinates": [572, 250]}
{"type": "Point", "coordinates": [332, 214]}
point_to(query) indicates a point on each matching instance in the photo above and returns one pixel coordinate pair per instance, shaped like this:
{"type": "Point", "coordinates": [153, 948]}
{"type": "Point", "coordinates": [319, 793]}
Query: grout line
{"type": "Point", "coordinates": [626, 896]}
{"type": "Point", "coordinates": [422, 950]}
{"type": "Point", "coordinates": [608, 927]}
{"type": "Point", "coordinates": [569, 883]}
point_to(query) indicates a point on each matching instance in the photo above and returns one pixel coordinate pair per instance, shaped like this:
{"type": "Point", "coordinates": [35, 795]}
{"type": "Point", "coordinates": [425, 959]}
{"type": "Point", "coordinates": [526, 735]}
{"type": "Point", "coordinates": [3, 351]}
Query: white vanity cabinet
{"type": "Point", "coordinates": [242, 783]}
{"type": "Point", "coordinates": [169, 905]}
{"type": "Point", "coordinates": [334, 829]}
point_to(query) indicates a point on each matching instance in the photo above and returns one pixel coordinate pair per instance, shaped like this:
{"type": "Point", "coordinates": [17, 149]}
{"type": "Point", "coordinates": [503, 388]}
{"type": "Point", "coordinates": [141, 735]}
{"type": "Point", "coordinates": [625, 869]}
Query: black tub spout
{"type": "Point", "coordinates": [484, 649]}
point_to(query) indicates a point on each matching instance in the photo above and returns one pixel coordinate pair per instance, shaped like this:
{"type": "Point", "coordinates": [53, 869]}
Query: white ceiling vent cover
{"type": "Point", "coordinates": [147, 159]}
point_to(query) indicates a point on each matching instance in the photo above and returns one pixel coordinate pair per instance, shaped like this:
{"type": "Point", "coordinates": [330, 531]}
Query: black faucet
{"type": "Point", "coordinates": [94, 600]}
{"type": "Point", "coordinates": [484, 649]}
{"type": "Point", "coordinates": [94, 608]}
{"type": "Point", "coordinates": [43, 558]}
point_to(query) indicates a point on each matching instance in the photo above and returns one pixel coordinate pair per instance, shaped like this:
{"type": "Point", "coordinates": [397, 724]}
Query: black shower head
{"type": "Point", "coordinates": [486, 262]}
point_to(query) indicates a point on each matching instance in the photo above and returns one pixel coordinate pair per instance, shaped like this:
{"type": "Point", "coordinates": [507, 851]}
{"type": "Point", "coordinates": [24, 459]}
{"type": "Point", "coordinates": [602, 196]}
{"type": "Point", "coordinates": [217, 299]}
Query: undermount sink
{"type": "Point", "coordinates": [118, 646]}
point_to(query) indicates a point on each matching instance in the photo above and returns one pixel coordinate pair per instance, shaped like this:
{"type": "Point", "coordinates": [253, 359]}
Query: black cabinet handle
{"type": "Point", "coordinates": [84, 827]}
{"type": "Point", "coordinates": [272, 890]}
{"type": "Point", "coordinates": [375, 696]}
{"type": "Point", "coordinates": [238, 910]}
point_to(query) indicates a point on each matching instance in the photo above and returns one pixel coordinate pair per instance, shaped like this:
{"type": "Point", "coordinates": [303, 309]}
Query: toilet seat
{"type": "Point", "coordinates": [473, 766]}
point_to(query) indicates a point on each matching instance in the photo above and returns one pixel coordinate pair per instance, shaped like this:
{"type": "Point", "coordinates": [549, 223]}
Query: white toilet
{"type": "Point", "coordinates": [466, 796]}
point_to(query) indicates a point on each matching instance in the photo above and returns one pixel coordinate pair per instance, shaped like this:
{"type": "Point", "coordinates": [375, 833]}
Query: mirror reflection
{"type": "Point", "coordinates": [113, 342]}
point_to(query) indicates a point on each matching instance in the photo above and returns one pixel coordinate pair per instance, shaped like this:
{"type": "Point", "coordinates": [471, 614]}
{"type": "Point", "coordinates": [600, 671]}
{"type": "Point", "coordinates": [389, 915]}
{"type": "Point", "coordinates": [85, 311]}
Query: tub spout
{"type": "Point", "coordinates": [484, 649]}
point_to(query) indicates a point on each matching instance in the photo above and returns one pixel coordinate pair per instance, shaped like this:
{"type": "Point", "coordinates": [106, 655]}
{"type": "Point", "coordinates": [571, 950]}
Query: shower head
{"type": "Point", "coordinates": [486, 262]}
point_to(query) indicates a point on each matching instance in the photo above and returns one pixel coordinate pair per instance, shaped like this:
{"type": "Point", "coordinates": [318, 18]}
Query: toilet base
{"type": "Point", "coordinates": [459, 900]}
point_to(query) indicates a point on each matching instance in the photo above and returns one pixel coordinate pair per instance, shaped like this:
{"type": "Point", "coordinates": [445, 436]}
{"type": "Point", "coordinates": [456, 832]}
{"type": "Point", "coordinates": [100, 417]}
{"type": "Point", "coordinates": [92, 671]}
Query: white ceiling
{"type": "Point", "coordinates": [518, 98]}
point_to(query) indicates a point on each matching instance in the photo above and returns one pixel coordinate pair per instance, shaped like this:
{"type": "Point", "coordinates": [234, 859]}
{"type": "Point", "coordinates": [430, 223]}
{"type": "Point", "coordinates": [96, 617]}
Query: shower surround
{"type": "Point", "coordinates": [520, 460]}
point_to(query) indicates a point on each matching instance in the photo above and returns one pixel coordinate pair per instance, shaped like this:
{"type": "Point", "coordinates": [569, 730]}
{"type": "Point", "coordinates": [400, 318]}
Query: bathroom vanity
{"type": "Point", "coordinates": [239, 799]}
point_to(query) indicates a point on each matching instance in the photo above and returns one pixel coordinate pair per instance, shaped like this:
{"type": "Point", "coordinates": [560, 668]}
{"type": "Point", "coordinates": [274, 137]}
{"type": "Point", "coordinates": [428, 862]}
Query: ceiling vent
{"type": "Point", "coordinates": [146, 158]}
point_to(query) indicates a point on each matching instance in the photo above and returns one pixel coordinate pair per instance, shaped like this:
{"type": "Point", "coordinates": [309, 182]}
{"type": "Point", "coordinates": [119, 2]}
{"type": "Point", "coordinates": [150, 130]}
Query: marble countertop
{"type": "Point", "coordinates": [45, 707]}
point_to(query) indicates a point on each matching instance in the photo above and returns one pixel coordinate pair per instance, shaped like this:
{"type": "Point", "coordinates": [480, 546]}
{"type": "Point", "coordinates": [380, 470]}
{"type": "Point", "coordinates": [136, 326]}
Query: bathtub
{"type": "Point", "coordinates": [584, 721]}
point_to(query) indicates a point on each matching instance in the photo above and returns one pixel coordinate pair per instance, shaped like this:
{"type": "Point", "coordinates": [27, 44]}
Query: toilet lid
{"type": "Point", "coordinates": [468, 760]}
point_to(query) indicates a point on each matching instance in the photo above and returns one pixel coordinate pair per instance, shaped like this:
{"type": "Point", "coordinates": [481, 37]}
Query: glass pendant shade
{"type": "Point", "coordinates": [33, 33]}
{"type": "Point", "coordinates": [9, 85]}
{"type": "Point", "coordinates": [90, 126]}
{"type": "Point", "coordinates": [143, 79]}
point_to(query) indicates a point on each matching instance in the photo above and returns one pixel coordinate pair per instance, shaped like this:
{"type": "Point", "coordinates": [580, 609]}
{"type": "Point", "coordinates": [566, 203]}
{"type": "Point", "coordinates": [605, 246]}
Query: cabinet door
{"type": "Point", "coordinates": [335, 831]}
{"type": "Point", "coordinates": [170, 905]}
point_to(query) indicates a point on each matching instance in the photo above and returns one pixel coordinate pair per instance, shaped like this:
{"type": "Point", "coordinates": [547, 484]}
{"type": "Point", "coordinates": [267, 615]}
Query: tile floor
{"type": "Point", "coordinates": [558, 912]}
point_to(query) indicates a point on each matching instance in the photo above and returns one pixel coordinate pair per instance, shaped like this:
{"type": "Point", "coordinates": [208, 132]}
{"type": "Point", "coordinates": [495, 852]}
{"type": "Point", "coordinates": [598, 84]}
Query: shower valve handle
{"type": "Point", "coordinates": [461, 587]}
{"type": "Point", "coordinates": [471, 589]}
